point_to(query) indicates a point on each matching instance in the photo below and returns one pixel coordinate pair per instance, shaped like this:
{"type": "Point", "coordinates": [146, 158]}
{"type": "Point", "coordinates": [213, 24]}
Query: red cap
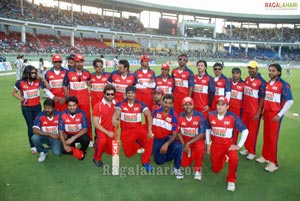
{"type": "Point", "coordinates": [165, 66]}
{"type": "Point", "coordinates": [56, 57]}
{"type": "Point", "coordinates": [160, 91]}
{"type": "Point", "coordinates": [187, 100]}
{"type": "Point", "coordinates": [222, 98]}
{"type": "Point", "coordinates": [78, 57]}
{"type": "Point", "coordinates": [77, 153]}
{"type": "Point", "coordinates": [145, 58]}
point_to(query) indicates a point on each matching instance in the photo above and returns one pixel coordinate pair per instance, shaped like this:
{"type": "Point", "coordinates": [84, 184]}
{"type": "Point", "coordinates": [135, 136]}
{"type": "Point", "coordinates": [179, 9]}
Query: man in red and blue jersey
{"type": "Point", "coordinates": [73, 126]}
{"type": "Point", "coordinates": [222, 85]}
{"type": "Point", "coordinates": [98, 81]}
{"type": "Point", "coordinates": [55, 77]}
{"type": "Point", "coordinates": [191, 126]}
{"type": "Point", "coordinates": [158, 99]}
{"type": "Point", "coordinates": [278, 101]}
{"type": "Point", "coordinates": [204, 89]}
{"type": "Point", "coordinates": [184, 82]}
{"type": "Point", "coordinates": [254, 94]}
{"type": "Point", "coordinates": [145, 85]}
{"type": "Point", "coordinates": [219, 140]}
{"type": "Point", "coordinates": [164, 81]}
{"type": "Point", "coordinates": [236, 96]}
{"type": "Point", "coordinates": [133, 133]}
{"type": "Point", "coordinates": [166, 147]}
{"type": "Point", "coordinates": [121, 79]}
{"type": "Point", "coordinates": [45, 129]}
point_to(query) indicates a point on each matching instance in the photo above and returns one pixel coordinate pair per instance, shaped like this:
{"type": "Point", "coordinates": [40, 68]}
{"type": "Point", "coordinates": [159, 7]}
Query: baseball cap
{"type": "Point", "coordinates": [165, 66]}
{"type": "Point", "coordinates": [253, 64]}
{"type": "Point", "coordinates": [222, 98]}
{"type": "Point", "coordinates": [187, 100]}
{"type": "Point", "coordinates": [56, 57]}
{"type": "Point", "coordinates": [78, 57]}
{"type": "Point", "coordinates": [77, 153]}
{"type": "Point", "coordinates": [145, 58]}
{"type": "Point", "coordinates": [130, 88]}
{"type": "Point", "coordinates": [160, 91]}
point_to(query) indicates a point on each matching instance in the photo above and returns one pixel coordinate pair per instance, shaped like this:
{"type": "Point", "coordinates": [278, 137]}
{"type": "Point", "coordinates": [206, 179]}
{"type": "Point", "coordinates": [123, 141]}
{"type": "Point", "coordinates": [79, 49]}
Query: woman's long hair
{"type": "Point", "coordinates": [27, 73]}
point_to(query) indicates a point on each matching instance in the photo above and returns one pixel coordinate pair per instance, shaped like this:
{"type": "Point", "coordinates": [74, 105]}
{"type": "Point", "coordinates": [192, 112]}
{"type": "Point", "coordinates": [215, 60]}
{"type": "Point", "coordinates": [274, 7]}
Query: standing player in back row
{"type": "Point", "coordinates": [184, 82]}
{"type": "Point", "coordinates": [164, 82]}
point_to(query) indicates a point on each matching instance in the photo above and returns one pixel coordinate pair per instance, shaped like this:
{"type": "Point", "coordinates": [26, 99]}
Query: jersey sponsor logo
{"type": "Point", "coordinates": [189, 131]}
{"type": "Point", "coordinates": [254, 84]}
{"type": "Point", "coordinates": [198, 88]}
{"type": "Point", "coordinates": [275, 88]}
{"type": "Point", "coordinates": [234, 94]}
{"type": "Point", "coordinates": [130, 117]}
{"type": "Point", "coordinates": [77, 119]}
{"type": "Point", "coordinates": [56, 83]}
{"type": "Point", "coordinates": [73, 128]}
{"type": "Point", "coordinates": [32, 93]}
{"type": "Point", "coordinates": [227, 123]}
{"type": "Point", "coordinates": [121, 88]}
{"type": "Point", "coordinates": [269, 96]}
{"type": "Point", "coordinates": [239, 87]}
{"type": "Point", "coordinates": [97, 87]}
{"type": "Point", "coordinates": [178, 82]}
{"type": "Point", "coordinates": [51, 129]}
{"type": "Point", "coordinates": [195, 123]}
{"type": "Point", "coordinates": [128, 81]}
{"type": "Point", "coordinates": [136, 108]}
{"type": "Point", "coordinates": [79, 85]}
{"type": "Point", "coordinates": [248, 91]}
{"type": "Point", "coordinates": [219, 132]}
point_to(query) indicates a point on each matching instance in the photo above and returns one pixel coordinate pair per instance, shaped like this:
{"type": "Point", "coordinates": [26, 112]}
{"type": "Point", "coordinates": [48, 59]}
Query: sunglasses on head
{"type": "Point", "coordinates": [109, 94]}
{"type": "Point", "coordinates": [57, 62]}
{"type": "Point", "coordinates": [219, 69]}
{"type": "Point", "coordinates": [182, 59]}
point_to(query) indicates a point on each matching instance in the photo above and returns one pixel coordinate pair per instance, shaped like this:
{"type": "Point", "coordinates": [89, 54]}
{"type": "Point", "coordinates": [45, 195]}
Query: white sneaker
{"type": "Point", "coordinates": [198, 175]}
{"type": "Point", "coordinates": [178, 173]}
{"type": "Point", "coordinates": [244, 152]}
{"type": "Point", "coordinates": [42, 157]}
{"type": "Point", "coordinates": [261, 160]}
{"type": "Point", "coordinates": [271, 167]}
{"type": "Point", "coordinates": [140, 150]}
{"type": "Point", "coordinates": [251, 157]}
{"type": "Point", "coordinates": [91, 144]}
{"type": "Point", "coordinates": [231, 186]}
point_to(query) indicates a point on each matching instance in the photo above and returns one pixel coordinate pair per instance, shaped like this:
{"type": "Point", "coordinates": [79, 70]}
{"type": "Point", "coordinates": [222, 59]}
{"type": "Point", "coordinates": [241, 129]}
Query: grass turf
{"type": "Point", "coordinates": [65, 178]}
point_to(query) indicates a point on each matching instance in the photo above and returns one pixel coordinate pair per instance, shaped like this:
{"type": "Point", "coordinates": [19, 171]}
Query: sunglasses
{"type": "Point", "coordinates": [182, 59]}
{"type": "Point", "coordinates": [219, 69]}
{"type": "Point", "coordinates": [110, 94]}
{"type": "Point", "coordinates": [98, 66]}
{"type": "Point", "coordinates": [57, 62]}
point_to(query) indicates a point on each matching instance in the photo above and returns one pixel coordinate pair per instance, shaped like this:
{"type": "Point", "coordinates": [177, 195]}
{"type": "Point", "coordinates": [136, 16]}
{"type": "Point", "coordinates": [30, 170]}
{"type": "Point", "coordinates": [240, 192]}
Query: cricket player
{"type": "Point", "coordinates": [254, 94]}
{"type": "Point", "coordinates": [102, 119]}
{"type": "Point", "coordinates": [133, 133]}
{"type": "Point", "coordinates": [158, 99]}
{"type": "Point", "coordinates": [204, 89]}
{"type": "Point", "coordinates": [191, 126]}
{"type": "Point", "coordinates": [278, 101]}
{"type": "Point", "coordinates": [219, 140]}
{"type": "Point", "coordinates": [164, 81]}
{"type": "Point", "coordinates": [166, 147]}
{"type": "Point", "coordinates": [184, 82]}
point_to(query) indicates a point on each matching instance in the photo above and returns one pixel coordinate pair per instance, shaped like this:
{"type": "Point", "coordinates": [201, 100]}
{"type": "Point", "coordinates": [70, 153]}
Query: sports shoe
{"type": "Point", "coordinates": [244, 152]}
{"type": "Point", "coordinates": [140, 150]}
{"type": "Point", "coordinates": [271, 167]}
{"type": "Point", "coordinates": [231, 186]}
{"type": "Point", "coordinates": [91, 144]}
{"type": "Point", "coordinates": [261, 160]}
{"type": "Point", "coordinates": [33, 150]}
{"type": "Point", "coordinates": [178, 173]}
{"type": "Point", "coordinates": [148, 167]}
{"type": "Point", "coordinates": [251, 157]}
{"type": "Point", "coordinates": [42, 157]}
{"type": "Point", "coordinates": [98, 163]}
{"type": "Point", "coordinates": [198, 175]}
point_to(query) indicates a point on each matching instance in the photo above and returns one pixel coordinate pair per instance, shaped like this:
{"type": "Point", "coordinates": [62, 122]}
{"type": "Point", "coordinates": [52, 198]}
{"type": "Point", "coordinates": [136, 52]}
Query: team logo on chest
{"type": "Point", "coordinates": [274, 87]}
{"type": "Point", "coordinates": [158, 116]}
{"type": "Point", "coordinates": [77, 120]}
{"type": "Point", "coordinates": [136, 109]}
{"type": "Point", "coordinates": [227, 123]}
{"type": "Point", "coordinates": [168, 119]}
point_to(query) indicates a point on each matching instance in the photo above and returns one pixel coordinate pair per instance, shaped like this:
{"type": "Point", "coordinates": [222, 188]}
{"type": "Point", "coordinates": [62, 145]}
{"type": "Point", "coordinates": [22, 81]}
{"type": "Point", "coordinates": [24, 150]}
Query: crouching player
{"type": "Point", "coordinates": [219, 139]}
{"type": "Point", "coordinates": [191, 126]}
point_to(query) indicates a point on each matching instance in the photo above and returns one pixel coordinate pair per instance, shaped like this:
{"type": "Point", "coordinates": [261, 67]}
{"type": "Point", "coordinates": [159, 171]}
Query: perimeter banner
{"type": "Point", "coordinates": [5, 66]}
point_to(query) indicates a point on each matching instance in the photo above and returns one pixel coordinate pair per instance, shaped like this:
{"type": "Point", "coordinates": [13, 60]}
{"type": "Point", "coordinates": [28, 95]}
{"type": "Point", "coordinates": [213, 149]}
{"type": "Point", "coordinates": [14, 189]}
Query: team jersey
{"type": "Point", "coordinates": [276, 95]}
{"type": "Point", "coordinates": [155, 107]}
{"type": "Point", "coordinates": [56, 81]}
{"type": "Point", "coordinates": [72, 124]}
{"type": "Point", "coordinates": [78, 85]}
{"type": "Point", "coordinates": [120, 83]}
{"type": "Point", "coordinates": [236, 95]}
{"type": "Point", "coordinates": [222, 86]}
{"type": "Point", "coordinates": [224, 128]}
{"type": "Point", "coordinates": [131, 116]}
{"type": "Point", "coordinates": [254, 90]}
{"type": "Point", "coordinates": [147, 78]}
{"type": "Point", "coordinates": [46, 124]}
{"type": "Point", "coordinates": [183, 80]}
{"type": "Point", "coordinates": [203, 86]}
{"type": "Point", "coordinates": [105, 113]}
{"type": "Point", "coordinates": [166, 85]}
{"type": "Point", "coordinates": [30, 91]}
{"type": "Point", "coordinates": [98, 84]}
{"type": "Point", "coordinates": [192, 127]}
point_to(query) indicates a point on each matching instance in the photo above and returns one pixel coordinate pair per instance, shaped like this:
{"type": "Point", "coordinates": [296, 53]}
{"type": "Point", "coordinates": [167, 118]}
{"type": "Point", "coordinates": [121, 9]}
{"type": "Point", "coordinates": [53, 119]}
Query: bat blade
{"type": "Point", "coordinates": [115, 155]}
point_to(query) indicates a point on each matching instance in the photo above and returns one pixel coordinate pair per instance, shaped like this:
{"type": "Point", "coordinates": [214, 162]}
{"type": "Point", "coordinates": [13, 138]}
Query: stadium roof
{"type": "Point", "coordinates": [136, 6]}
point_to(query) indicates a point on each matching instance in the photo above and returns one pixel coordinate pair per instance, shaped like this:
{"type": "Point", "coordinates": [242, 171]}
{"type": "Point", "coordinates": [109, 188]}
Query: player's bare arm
{"type": "Point", "coordinates": [194, 139]}
{"type": "Point", "coordinates": [116, 117]}
{"type": "Point", "coordinates": [258, 112]}
{"type": "Point", "coordinates": [164, 148]}
{"type": "Point", "coordinates": [149, 119]}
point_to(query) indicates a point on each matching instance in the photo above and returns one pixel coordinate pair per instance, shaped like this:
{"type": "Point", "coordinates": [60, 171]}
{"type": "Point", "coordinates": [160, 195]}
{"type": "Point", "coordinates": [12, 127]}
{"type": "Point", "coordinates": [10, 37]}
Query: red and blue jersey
{"type": "Point", "coordinates": [97, 85]}
{"type": "Point", "coordinates": [166, 85]}
{"type": "Point", "coordinates": [131, 115]}
{"type": "Point", "coordinates": [56, 81]}
{"type": "Point", "coordinates": [72, 124]}
{"type": "Point", "coordinates": [164, 125]}
{"type": "Point", "coordinates": [183, 80]}
{"type": "Point", "coordinates": [105, 112]}
{"type": "Point", "coordinates": [222, 86]}
{"type": "Point", "coordinates": [30, 91]}
{"type": "Point", "coordinates": [47, 124]}
{"type": "Point", "coordinates": [254, 90]}
{"type": "Point", "coordinates": [203, 86]}
{"type": "Point", "coordinates": [145, 78]}
{"type": "Point", "coordinates": [120, 83]}
{"type": "Point", "coordinates": [276, 95]}
{"type": "Point", "coordinates": [191, 127]}
{"type": "Point", "coordinates": [77, 84]}
{"type": "Point", "coordinates": [236, 95]}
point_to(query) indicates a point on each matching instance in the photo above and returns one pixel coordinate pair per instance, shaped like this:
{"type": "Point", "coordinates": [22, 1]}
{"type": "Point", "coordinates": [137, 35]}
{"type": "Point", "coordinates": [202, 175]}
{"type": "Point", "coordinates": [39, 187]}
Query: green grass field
{"type": "Point", "coordinates": [66, 178]}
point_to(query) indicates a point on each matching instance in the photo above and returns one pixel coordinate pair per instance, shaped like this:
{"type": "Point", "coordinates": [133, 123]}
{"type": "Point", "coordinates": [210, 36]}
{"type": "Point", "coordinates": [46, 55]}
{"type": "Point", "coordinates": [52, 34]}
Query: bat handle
{"type": "Point", "coordinates": [116, 133]}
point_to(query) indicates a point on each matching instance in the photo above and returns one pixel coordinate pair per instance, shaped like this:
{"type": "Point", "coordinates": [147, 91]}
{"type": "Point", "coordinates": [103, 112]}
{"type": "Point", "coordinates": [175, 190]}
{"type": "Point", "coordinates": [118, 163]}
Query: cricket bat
{"type": "Point", "coordinates": [115, 155]}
